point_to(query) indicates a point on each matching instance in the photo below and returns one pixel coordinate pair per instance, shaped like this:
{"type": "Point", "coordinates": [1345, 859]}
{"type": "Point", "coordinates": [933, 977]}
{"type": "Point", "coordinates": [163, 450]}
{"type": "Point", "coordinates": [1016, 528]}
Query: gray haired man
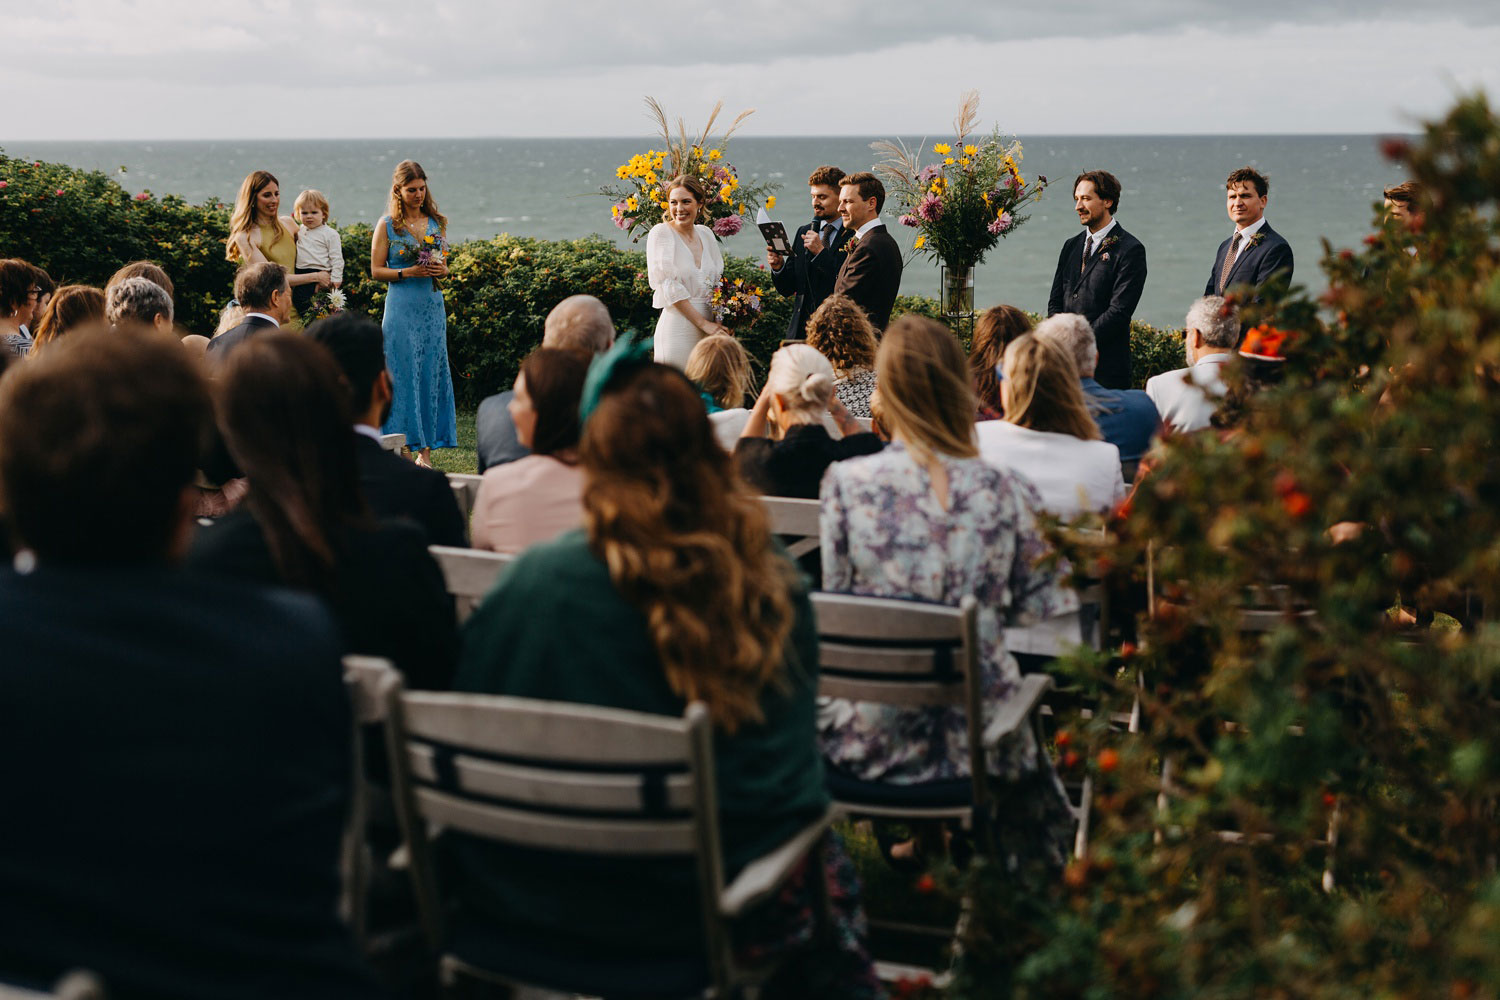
{"type": "Point", "coordinates": [1186, 398]}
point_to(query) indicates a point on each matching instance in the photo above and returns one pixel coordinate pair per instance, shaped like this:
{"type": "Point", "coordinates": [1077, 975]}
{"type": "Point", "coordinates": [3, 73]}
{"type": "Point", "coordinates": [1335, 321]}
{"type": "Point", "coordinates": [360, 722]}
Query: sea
{"type": "Point", "coordinates": [1323, 188]}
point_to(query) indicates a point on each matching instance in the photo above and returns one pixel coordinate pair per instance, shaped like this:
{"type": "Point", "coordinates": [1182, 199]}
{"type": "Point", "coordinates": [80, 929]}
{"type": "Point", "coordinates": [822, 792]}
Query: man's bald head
{"type": "Point", "coordinates": [579, 323]}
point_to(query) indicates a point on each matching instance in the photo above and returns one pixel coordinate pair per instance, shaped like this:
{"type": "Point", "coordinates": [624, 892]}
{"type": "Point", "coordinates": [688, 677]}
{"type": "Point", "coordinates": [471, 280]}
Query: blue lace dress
{"type": "Point", "coordinates": [416, 351]}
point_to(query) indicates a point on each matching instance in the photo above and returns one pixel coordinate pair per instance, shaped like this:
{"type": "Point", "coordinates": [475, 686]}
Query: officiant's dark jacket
{"type": "Point", "coordinates": [1105, 292]}
{"type": "Point", "coordinates": [1253, 265]}
{"type": "Point", "coordinates": [810, 278]}
{"type": "Point", "coordinates": [871, 274]}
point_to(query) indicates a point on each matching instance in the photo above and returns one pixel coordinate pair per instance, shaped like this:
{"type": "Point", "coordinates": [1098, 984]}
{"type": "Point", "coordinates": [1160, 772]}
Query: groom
{"type": "Point", "coordinates": [871, 272]}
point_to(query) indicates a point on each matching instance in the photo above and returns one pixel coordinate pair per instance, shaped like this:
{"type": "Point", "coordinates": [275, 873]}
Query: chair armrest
{"type": "Point", "coordinates": [1017, 708]}
{"type": "Point", "coordinates": [763, 876]}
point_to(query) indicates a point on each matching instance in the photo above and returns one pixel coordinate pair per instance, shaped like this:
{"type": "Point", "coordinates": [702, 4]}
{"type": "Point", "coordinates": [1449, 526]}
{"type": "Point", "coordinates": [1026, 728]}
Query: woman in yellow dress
{"type": "Point", "coordinates": [257, 232]}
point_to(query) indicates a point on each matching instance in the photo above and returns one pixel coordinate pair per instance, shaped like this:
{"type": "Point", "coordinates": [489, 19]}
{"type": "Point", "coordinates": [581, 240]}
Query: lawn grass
{"type": "Point", "coordinates": [460, 459]}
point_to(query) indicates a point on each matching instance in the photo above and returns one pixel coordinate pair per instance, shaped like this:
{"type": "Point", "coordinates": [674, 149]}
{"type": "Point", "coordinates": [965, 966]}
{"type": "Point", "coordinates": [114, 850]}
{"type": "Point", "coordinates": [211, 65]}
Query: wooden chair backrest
{"type": "Point", "coordinates": [465, 491]}
{"type": "Point", "coordinates": [393, 442]}
{"type": "Point", "coordinates": [796, 519]}
{"type": "Point", "coordinates": [469, 574]}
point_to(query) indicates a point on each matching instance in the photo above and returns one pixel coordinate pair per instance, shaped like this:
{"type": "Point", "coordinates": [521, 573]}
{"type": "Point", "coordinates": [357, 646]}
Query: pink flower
{"type": "Point", "coordinates": [58, 191]}
{"type": "Point", "coordinates": [1014, 182]}
{"type": "Point", "coordinates": [931, 208]}
{"type": "Point", "coordinates": [728, 225]}
{"type": "Point", "coordinates": [910, 220]}
{"type": "Point", "coordinates": [623, 222]}
{"type": "Point", "coordinates": [1000, 225]}
{"type": "Point", "coordinates": [143, 196]}
{"type": "Point", "coordinates": [929, 173]}
{"type": "Point", "coordinates": [4, 184]}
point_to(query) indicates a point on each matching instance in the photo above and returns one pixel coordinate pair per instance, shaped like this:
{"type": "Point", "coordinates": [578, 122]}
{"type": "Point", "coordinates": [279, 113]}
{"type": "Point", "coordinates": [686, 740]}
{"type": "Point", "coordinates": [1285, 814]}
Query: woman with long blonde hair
{"type": "Point", "coordinates": [671, 593]}
{"type": "Point", "coordinates": [1048, 435]}
{"type": "Point", "coordinates": [257, 230]}
{"type": "Point", "coordinates": [720, 367]}
{"type": "Point", "coordinates": [410, 250]}
{"type": "Point", "coordinates": [927, 519]}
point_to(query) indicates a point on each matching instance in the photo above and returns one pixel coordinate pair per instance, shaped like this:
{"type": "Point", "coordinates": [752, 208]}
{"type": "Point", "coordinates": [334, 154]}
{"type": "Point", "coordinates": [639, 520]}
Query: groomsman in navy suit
{"type": "Point", "coordinates": [817, 253]}
{"type": "Point", "coordinates": [1100, 275]}
{"type": "Point", "coordinates": [1256, 252]}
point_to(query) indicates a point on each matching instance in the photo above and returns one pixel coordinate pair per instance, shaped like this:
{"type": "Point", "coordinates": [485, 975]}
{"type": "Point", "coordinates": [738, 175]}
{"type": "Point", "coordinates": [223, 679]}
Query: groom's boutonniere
{"type": "Point", "coordinates": [1109, 241]}
{"type": "Point", "coordinates": [1255, 241]}
{"type": "Point", "coordinates": [853, 242]}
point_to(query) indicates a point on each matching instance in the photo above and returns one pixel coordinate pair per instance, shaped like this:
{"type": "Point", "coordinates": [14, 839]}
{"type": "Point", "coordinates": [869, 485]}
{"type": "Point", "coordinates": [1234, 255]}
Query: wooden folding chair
{"type": "Point", "coordinates": [796, 521]}
{"type": "Point", "coordinates": [369, 681]}
{"type": "Point", "coordinates": [595, 782]}
{"type": "Point", "coordinates": [393, 442]}
{"type": "Point", "coordinates": [469, 574]}
{"type": "Point", "coordinates": [465, 489]}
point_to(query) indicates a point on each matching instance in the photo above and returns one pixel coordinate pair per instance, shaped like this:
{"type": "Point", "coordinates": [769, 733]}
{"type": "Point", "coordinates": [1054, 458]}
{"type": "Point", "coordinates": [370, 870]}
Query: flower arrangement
{"type": "Point", "coordinates": [324, 304]}
{"type": "Point", "coordinates": [640, 201]}
{"type": "Point", "coordinates": [965, 202]}
{"type": "Point", "coordinates": [735, 303]}
{"type": "Point", "coordinates": [425, 250]}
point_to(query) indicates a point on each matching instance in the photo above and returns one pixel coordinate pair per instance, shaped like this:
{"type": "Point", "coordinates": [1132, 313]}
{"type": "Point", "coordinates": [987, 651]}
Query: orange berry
{"type": "Point", "coordinates": [1108, 760]}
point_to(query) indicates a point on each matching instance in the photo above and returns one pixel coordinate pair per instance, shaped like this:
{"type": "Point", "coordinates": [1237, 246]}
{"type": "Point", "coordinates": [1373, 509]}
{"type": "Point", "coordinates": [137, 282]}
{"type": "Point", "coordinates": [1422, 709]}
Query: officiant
{"type": "Point", "coordinates": [816, 253]}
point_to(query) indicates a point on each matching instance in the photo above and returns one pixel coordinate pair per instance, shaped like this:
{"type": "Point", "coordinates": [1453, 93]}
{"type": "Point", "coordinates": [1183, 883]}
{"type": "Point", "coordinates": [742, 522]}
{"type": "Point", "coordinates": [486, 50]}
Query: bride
{"type": "Point", "coordinates": [683, 264]}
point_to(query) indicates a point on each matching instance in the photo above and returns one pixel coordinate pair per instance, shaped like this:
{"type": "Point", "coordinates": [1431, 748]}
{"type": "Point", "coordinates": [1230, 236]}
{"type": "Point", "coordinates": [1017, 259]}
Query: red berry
{"type": "Point", "coordinates": [1127, 650]}
{"type": "Point", "coordinates": [1063, 738]}
{"type": "Point", "coordinates": [1284, 483]}
{"type": "Point", "coordinates": [1346, 254]}
{"type": "Point", "coordinates": [1070, 759]}
{"type": "Point", "coordinates": [1297, 503]}
{"type": "Point", "coordinates": [1108, 760]}
{"type": "Point", "coordinates": [926, 884]}
{"type": "Point", "coordinates": [1371, 240]}
{"type": "Point", "coordinates": [1330, 799]}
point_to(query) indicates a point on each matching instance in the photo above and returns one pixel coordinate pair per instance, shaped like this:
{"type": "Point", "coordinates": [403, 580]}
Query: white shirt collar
{"type": "Point", "coordinates": [1098, 238]}
{"type": "Point", "coordinates": [372, 433]}
{"type": "Point", "coordinates": [264, 316]}
{"type": "Point", "coordinates": [1251, 229]}
{"type": "Point", "coordinates": [1217, 359]}
{"type": "Point", "coordinates": [868, 226]}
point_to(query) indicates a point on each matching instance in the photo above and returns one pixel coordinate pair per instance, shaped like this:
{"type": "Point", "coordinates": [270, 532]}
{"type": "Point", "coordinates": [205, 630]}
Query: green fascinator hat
{"type": "Point", "coordinates": [627, 355]}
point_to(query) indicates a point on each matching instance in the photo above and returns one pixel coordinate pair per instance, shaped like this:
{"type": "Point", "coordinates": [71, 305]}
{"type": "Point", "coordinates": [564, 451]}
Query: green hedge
{"type": "Point", "coordinates": [498, 294]}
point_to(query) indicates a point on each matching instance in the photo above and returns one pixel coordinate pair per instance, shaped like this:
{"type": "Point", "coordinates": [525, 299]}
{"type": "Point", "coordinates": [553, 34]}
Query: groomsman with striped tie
{"type": "Point", "coordinates": [1255, 252]}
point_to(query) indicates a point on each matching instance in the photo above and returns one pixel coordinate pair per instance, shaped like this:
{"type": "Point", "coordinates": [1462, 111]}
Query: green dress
{"type": "Point", "coordinates": [555, 628]}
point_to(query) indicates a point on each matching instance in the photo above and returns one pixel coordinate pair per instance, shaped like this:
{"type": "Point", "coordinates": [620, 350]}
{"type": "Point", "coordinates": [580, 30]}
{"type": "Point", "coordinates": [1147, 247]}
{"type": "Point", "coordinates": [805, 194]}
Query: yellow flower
{"type": "Point", "coordinates": [704, 169]}
{"type": "Point", "coordinates": [429, 239]}
{"type": "Point", "coordinates": [631, 204]}
{"type": "Point", "coordinates": [919, 243]}
{"type": "Point", "coordinates": [725, 192]}
{"type": "Point", "coordinates": [947, 161]}
{"type": "Point", "coordinates": [770, 203]}
{"type": "Point", "coordinates": [650, 177]}
{"type": "Point", "coordinates": [622, 171]}
{"type": "Point", "coordinates": [742, 208]}
{"type": "Point", "coordinates": [714, 154]}
{"type": "Point", "coordinates": [970, 149]}
{"type": "Point", "coordinates": [697, 150]}
{"type": "Point", "coordinates": [942, 149]}
{"type": "Point", "coordinates": [738, 282]}
{"type": "Point", "coordinates": [963, 161]}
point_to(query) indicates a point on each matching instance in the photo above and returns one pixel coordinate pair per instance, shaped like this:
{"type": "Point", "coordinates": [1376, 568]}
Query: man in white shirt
{"type": "Point", "coordinates": [1186, 398]}
{"type": "Point", "coordinates": [871, 271]}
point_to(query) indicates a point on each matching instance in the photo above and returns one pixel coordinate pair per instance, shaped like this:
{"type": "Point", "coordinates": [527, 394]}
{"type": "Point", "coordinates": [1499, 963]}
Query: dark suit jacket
{"type": "Point", "coordinates": [1254, 265]}
{"type": "Point", "coordinates": [218, 348]}
{"type": "Point", "coordinates": [495, 441]}
{"type": "Point", "coordinates": [1126, 417]}
{"type": "Point", "coordinates": [1105, 291]}
{"type": "Point", "coordinates": [810, 279]}
{"type": "Point", "coordinates": [179, 774]}
{"type": "Point", "coordinates": [389, 596]}
{"type": "Point", "coordinates": [395, 487]}
{"type": "Point", "coordinates": [871, 275]}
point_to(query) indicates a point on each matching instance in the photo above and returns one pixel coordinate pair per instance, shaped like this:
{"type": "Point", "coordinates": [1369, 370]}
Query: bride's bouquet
{"type": "Point", "coordinates": [640, 202]}
{"type": "Point", "coordinates": [735, 303]}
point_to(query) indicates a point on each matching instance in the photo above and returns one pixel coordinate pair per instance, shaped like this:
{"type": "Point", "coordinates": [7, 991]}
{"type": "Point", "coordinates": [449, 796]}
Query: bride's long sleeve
{"type": "Point", "coordinates": [661, 267]}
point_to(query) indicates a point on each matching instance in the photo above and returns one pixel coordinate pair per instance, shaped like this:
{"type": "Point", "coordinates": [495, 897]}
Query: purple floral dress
{"type": "Point", "coordinates": [886, 535]}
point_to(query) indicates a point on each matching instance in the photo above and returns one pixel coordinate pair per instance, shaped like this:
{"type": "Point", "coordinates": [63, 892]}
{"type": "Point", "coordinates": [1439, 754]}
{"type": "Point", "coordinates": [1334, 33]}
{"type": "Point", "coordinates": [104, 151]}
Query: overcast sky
{"type": "Point", "coordinates": [157, 69]}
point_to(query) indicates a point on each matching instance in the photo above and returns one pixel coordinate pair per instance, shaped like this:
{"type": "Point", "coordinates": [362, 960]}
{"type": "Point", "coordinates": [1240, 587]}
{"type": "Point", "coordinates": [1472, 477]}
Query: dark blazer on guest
{"type": "Point", "coordinates": [179, 777]}
{"type": "Point", "coordinates": [218, 348]}
{"type": "Point", "coordinates": [395, 487]}
{"type": "Point", "coordinates": [1268, 254]}
{"type": "Point", "coordinates": [1105, 291]}
{"type": "Point", "coordinates": [809, 278]}
{"type": "Point", "coordinates": [388, 595]}
{"type": "Point", "coordinates": [495, 441]}
{"type": "Point", "coordinates": [1126, 417]}
{"type": "Point", "coordinates": [871, 274]}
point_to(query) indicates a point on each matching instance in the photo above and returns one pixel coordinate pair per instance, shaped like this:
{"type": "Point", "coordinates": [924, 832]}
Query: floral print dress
{"type": "Point", "coordinates": [885, 534]}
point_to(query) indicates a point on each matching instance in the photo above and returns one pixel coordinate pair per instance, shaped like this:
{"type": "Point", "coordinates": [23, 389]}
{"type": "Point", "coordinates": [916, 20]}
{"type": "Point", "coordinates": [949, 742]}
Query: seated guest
{"type": "Point", "coordinates": [176, 825]}
{"type": "Point", "coordinates": [672, 592]}
{"type": "Point", "coordinates": [797, 399]}
{"type": "Point", "coordinates": [720, 368]}
{"type": "Point", "coordinates": [1126, 417]}
{"type": "Point", "coordinates": [392, 486]}
{"type": "Point", "coordinates": [138, 302]}
{"type": "Point", "coordinates": [928, 519]}
{"type": "Point", "coordinates": [536, 498]}
{"type": "Point", "coordinates": [304, 523]}
{"type": "Point", "coordinates": [579, 323]}
{"type": "Point", "coordinates": [20, 304]}
{"type": "Point", "coordinates": [73, 307]}
{"type": "Point", "coordinates": [142, 269]}
{"type": "Point", "coordinates": [1048, 436]}
{"type": "Point", "coordinates": [265, 301]}
{"type": "Point", "coordinates": [993, 331]}
{"type": "Point", "coordinates": [1187, 397]}
{"type": "Point", "coordinates": [839, 330]}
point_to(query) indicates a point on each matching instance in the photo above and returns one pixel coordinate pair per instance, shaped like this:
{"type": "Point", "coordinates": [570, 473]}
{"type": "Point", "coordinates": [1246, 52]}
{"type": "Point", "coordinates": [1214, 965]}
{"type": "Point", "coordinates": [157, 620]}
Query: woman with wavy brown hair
{"type": "Point", "coordinates": [72, 307]}
{"type": "Point", "coordinates": [993, 331]}
{"type": "Point", "coordinates": [672, 592]}
{"type": "Point", "coordinates": [841, 332]}
{"type": "Point", "coordinates": [258, 231]}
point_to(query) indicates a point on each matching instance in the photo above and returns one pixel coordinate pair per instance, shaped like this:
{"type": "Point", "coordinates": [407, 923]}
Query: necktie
{"type": "Point", "coordinates": [1234, 250]}
{"type": "Point", "coordinates": [828, 234]}
{"type": "Point", "coordinates": [1088, 246]}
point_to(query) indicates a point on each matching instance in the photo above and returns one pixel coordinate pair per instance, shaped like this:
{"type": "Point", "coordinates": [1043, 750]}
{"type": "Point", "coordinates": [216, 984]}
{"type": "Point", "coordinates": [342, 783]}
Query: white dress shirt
{"type": "Point", "coordinates": [1092, 240]}
{"type": "Point", "coordinates": [1186, 398]}
{"type": "Point", "coordinates": [868, 226]}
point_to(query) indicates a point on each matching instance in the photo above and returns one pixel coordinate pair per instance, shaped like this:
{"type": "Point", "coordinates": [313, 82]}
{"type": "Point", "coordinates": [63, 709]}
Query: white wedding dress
{"type": "Point", "coordinates": [675, 278]}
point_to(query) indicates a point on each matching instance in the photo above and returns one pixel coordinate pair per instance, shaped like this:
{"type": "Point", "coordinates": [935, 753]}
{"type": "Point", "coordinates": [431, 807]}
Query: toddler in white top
{"type": "Point", "coordinates": [319, 247]}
